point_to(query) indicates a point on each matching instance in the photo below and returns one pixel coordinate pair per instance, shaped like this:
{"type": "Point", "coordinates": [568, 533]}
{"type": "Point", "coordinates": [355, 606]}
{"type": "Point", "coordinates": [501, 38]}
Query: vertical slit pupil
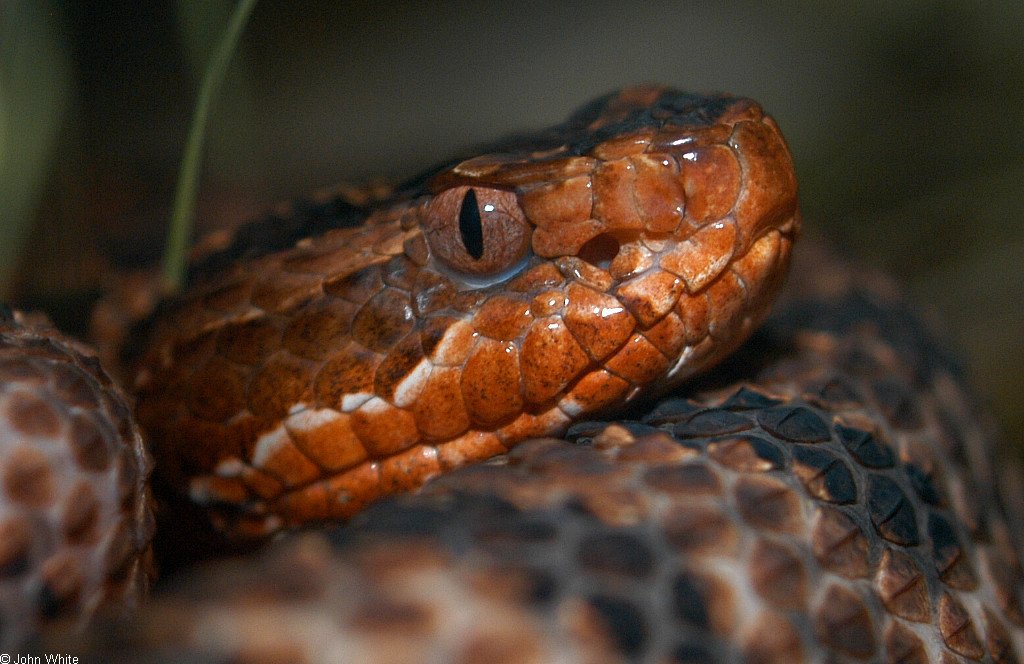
{"type": "Point", "coordinates": [470, 228]}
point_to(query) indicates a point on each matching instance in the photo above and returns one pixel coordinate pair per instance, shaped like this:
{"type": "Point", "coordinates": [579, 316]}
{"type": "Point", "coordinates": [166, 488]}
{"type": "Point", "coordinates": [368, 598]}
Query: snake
{"type": "Point", "coordinates": [480, 419]}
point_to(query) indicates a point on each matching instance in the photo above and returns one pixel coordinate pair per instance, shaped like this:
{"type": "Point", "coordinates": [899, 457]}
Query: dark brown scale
{"type": "Point", "coordinates": [81, 515]}
{"type": "Point", "coordinates": [800, 424]}
{"type": "Point", "coordinates": [773, 638]}
{"type": "Point", "coordinates": [14, 552]}
{"type": "Point", "coordinates": [778, 575]}
{"type": "Point", "coordinates": [747, 398]}
{"type": "Point", "coordinates": [357, 287]}
{"type": "Point", "coordinates": [700, 530]}
{"type": "Point", "coordinates": [214, 400]}
{"type": "Point", "coordinates": [625, 621]}
{"type": "Point", "coordinates": [902, 586]}
{"type": "Point", "coordinates": [902, 645]}
{"type": "Point", "coordinates": [401, 273]}
{"type": "Point", "coordinates": [768, 504]}
{"type": "Point", "coordinates": [919, 471]}
{"type": "Point", "coordinates": [281, 381]}
{"type": "Point", "coordinates": [825, 475]}
{"type": "Point", "coordinates": [747, 454]}
{"type": "Point", "coordinates": [401, 359]}
{"type": "Point", "coordinates": [350, 370]}
{"type": "Point", "coordinates": [865, 448]}
{"type": "Point", "coordinates": [312, 333]}
{"type": "Point", "coordinates": [670, 411]}
{"type": "Point", "coordinates": [692, 596]}
{"type": "Point", "coordinates": [1008, 581]}
{"type": "Point", "coordinates": [616, 553]}
{"type": "Point", "coordinates": [948, 555]}
{"type": "Point", "coordinates": [522, 532]}
{"type": "Point", "coordinates": [385, 319]}
{"type": "Point", "coordinates": [90, 441]}
{"type": "Point", "coordinates": [997, 639]}
{"type": "Point", "coordinates": [839, 544]}
{"type": "Point", "coordinates": [690, 479]}
{"type": "Point", "coordinates": [711, 423]}
{"type": "Point", "coordinates": [843, 623]}
{"type": "Point", "coordinates": [249, 342]}
{"type": "Point", "coordinates": [891, 512]}
{"type": "Point", "coordinates": [957, 628]}
{"type": "Point", "coordinates": [31, 416]}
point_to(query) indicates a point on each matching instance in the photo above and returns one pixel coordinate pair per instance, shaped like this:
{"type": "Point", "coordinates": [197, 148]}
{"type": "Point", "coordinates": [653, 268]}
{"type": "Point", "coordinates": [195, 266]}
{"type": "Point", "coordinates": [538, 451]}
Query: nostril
{"type": "Point", "coordinates": [600, 250]}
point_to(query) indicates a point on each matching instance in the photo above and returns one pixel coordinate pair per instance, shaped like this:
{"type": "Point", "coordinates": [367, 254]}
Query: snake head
{"type": "Point", "coordinates": [670, 214]}
{"type": "Point", "coordinates": [496, 299]}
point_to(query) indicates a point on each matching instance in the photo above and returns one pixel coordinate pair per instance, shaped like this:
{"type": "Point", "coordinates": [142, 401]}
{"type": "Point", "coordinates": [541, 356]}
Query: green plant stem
{"type": "Point", "coordinates": [183, 214]}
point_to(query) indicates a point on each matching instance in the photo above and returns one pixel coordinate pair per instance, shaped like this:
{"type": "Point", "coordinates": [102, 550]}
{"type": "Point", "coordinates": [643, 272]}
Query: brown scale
{"type": "Point", "coordinates": [75, 510]}
{"type": "Point", "coordinates": [511, 294]}
{"type": "Point", "coordinates": [781, 516]}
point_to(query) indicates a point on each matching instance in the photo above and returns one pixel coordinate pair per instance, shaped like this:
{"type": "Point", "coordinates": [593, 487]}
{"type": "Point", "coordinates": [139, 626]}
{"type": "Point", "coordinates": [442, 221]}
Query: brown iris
{"type": "Point", "coordinates": [476, 231]}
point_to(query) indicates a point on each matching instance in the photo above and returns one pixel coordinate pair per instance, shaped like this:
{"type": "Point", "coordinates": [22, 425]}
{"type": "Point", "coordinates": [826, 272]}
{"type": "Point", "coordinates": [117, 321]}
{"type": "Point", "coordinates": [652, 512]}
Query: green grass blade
{"type": "Point", "coordinates": [183, 215]}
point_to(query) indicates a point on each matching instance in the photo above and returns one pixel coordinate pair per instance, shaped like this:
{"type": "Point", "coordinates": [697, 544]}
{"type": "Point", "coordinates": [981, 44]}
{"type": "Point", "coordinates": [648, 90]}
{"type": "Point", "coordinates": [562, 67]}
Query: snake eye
{"type": "Point", "coordinates": [470, 226]}
{"type": "Point", "coordinates": [477, 232]}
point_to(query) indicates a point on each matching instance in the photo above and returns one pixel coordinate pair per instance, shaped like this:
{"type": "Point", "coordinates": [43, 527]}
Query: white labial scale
{"type": "Point", "coordinates": [268, 444]}
{"type": "Point", "coordinates": [570, 407]}
{"type": "Point", "coordinates": [375, 405]}
{"type": "Point", "coordinates": [229, 468]}
{"type": "Point", "coordinates": [683, 361]}
{"type": "Point", "coordinates": [452, 349]}
{"type": "Point", "coordinates": [311, 420]}
{"type": "Point", "coordinates": [350, 402]}
{"type": "Point", "coordinates": [199, 488]}
{"type": "Point", "coordinates": [410, 387]}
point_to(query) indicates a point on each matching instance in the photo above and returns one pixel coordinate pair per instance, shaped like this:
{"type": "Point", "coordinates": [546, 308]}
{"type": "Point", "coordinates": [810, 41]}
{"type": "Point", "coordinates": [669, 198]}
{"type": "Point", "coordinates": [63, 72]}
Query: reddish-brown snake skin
{"type": "Point", "coordinates": [828, 493]}
{"type": "Point", "coordinates": [499, 298]}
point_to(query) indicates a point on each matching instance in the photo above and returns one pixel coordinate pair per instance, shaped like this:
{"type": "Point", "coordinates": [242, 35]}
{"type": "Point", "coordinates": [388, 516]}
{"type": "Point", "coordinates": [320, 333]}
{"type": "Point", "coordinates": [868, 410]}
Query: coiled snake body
{"type": "Point", "coordinates": [826, 494]}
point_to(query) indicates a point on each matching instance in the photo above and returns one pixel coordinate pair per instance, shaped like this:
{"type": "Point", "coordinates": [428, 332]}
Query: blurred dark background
{"type": "Point", "coordinates": [906, 120]}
